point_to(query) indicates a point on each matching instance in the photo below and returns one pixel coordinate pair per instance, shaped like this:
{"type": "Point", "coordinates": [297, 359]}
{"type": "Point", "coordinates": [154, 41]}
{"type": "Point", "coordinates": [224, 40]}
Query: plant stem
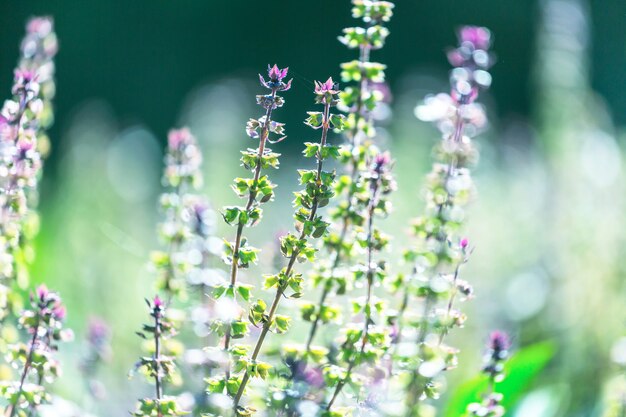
{"type": "Point", "coordinates": [429, 303]}
{"type": "Point", "coordinates": [157, 359]}
{"type": "Point", "coordinates": [370, 284]}
{"type": "Point", "coordinates": [29, 360]}
{"type": "Point", "coordinates": [292, 260]}
{"type": "Point", "coordinates": [234, 266]}
{"type": "Point", "coordinates": [454, 290]}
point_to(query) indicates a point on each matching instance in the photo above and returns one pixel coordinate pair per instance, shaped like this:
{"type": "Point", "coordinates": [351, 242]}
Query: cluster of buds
{"type": "Point", "coordinates": [23, 120]}
{"type": "Point", "coordinates": [360, 99]}
{"type": "Point", "coordinates": [440, 252]}
{"type": "Point", "coordinates": [230, 323]}
{"type": "Point", "coordinates": [158, 367]}
{"type": "Point", "coordinates": [44, 324]}
{"type": "Point", "coordinates": [366, 342]}
{"type": "Point", "coordinates": [187, 232]}
{"type": "Point", "coordinates": [495, 357]}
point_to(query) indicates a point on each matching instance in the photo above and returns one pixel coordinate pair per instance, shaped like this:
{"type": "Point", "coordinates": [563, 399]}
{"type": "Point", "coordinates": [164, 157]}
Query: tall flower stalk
{"type": "Point", "coordinates": [358, 100]}
{"type": "Point", "coordinates": [367, 342]}
{"type": "Point", "coordinates": [440, 251]}
{"type": "Point", "coordinates": [159, 367]}
{"type": "Point", "coordinates": [35, 359]}
{"type": "Point", "coordinates": [497, 354]}
{"type": "Point", "coordinates": [181, 177]}
{"type": "Point", "coordinates": [23, 120]}
{"type": "Point", "coordinates": [238, 254]}
{"type": "Point", "coordinates": [317, 192]}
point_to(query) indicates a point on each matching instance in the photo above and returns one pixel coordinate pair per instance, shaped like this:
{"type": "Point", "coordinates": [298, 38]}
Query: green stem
{"type": "Point", "coordinates": [234, 266]}
{"type": "Point", "coordinates": [29, 360]}
{"type": "Point", "coordinates": [370, 284]}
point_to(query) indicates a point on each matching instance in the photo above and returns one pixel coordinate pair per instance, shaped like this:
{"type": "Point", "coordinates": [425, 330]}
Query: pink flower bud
{"type": "Point", "coordinates": [42, 292]}
{"type": "Point", "coordinates": [158, 303]}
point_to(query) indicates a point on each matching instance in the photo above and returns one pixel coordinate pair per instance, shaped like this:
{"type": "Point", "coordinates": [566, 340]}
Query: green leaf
{"type": "Point", "coordinates": [520, 371]}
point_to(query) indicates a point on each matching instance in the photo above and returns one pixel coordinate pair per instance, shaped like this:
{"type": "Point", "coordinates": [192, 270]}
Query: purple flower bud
{"type": "Point", "coordinates": [158, 303]}
{"type": "Point", "coordinates": [464, 243]}
{"type": "Point", "coordinates": [98, 331]}
{"type": "Point", "coordinates": [40, 26]}
{"type": "Point", "coordinates": [276, 74]}
{"type": "Point", "coordinates": [381, 162]}
{"type": "Point", "coordinates": [326, 87]}
{"type": "Point", "coordinates": [42, 292]}
{"type": "Point", "coordinates": [177, 138]}
{"type": "Point", "coordinates": [59, 312]}
{"type": "Point", "coordinates": [499, 341]}
{"type": "Point", "coordinates": [479, 37]}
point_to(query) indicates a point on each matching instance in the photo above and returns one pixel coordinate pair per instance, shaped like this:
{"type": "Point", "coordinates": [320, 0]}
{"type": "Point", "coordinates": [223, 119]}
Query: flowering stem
{"type": "Point", "coordinates": [441, 238]}
{"type": "Point", "coordinates": [292, 259]}
{"type": "Point", "coordinates": [157, 359]}
{"type": "Point", "coordinates": [251, 198]}
{"type": "Point", "coordinates": [29, 360]}
{"type": "Point", "coordinates": [454, 290]}
{"type": "Point", "coordinates": [370, 284]}
{"type": "Point", "coordinates": [354, 174]}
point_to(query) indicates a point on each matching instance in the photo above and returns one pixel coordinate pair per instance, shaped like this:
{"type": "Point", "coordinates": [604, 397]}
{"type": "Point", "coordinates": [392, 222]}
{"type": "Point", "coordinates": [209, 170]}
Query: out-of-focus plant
{"type": "Point", "coordinates": [181, 174]}
{"type": "Point", "coordinates": [158, 367]}
{"type": "Point", "coordinates": [439, 250]}
{"type": "Point", "coordinates": [497, 354]}
{"type": "Point", "coordinates": [23, 121]}
{"type": "Point", "coordinates": [35, 359]}
{"type": "Point", "coordinates": [365, 343]}
{"type": "Point", "coordinates": [229, 324]}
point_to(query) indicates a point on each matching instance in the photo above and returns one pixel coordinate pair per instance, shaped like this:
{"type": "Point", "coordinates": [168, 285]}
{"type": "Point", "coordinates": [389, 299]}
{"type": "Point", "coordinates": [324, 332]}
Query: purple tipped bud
{"type": "Point", "coordinates": [329, 86]}
{"type": "Point", "coordinates": [276, 74]}
{"type": "Point", "coordinates": [499, 341]}
{"type": "Point", "coordinates": [464, 243]}
{"type": "Point", "coordinates": [479, 37]}
{"type": "Point", "coordinates": [98, 331]}
{"type": "Point", "coordinates": [59, 312]}
{"type": "Point", "coordinates": [158, 303]}
{"type": "Point", "coordinates": [42, 292]}
{"type": "Point", "coordinates": [381, 162]}
{"type": "Point", "coordinates": [41, 26]}
{"type": "Point", "coordinates": [178, 138]}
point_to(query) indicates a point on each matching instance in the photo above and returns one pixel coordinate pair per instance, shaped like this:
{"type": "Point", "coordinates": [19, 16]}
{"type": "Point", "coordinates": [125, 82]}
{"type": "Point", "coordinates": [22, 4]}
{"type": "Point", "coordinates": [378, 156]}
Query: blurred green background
{"type": "Point", "coordinates": [549, 223]}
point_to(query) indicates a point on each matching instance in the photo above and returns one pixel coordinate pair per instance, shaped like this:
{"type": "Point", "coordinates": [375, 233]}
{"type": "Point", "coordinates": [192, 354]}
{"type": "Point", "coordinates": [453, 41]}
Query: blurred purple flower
{"type": "Point", "coordinates": [176, 138]}
{"type": "Point", "coordinates": [499, 341]}
{"type": "Point", "coordinates": [479, 37]}
{"type": "Point", "coordinates": [381, 162]}
{"type": "Point", "coordinates": [157, 302]}
{"type": "Point", "coordinates": [42, 292]}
